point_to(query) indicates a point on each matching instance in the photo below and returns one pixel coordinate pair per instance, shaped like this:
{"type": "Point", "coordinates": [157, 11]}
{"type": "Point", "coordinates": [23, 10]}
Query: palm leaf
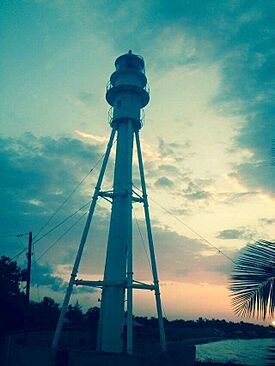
{"type": "Point", "coordinates": [252, 282]}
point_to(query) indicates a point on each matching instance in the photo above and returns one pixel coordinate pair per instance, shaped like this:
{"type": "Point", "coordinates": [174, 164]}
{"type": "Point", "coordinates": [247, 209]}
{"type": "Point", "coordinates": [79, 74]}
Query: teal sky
{"type": "Point", "coordinates": [207, 139]}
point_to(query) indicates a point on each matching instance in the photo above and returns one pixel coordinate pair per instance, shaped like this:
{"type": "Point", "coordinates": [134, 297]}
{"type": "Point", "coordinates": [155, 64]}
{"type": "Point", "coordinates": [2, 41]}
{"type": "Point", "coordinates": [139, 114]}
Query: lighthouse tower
{"type": "Point", "coordinates": [127, 93]}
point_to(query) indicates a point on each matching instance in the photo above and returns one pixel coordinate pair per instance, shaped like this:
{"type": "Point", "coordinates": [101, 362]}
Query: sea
{"type": "Point", "coordinates": [252, 352]}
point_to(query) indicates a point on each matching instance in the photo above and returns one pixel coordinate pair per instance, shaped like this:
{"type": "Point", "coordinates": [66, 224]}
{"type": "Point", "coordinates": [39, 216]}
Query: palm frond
{"type": "Point", "coordinates": [252, 282]}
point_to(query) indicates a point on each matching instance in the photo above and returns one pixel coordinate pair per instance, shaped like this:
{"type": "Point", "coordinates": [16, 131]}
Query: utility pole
{"type": "Point", "coordinates": [29, 257]}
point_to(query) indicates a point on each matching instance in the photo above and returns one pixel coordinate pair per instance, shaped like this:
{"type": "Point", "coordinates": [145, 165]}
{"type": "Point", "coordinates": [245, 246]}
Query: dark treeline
{"type": "Point", "coordinates": [15, 314]}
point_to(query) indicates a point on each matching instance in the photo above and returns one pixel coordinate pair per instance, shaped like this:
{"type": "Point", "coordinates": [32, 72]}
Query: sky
{"type": "Point", "coordinates": [207, 139]}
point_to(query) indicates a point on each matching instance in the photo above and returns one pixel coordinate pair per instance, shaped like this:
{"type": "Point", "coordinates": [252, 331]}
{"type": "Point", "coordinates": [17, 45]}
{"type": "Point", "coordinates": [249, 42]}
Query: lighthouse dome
{"type": "Point", "coordinates": [130, 61]}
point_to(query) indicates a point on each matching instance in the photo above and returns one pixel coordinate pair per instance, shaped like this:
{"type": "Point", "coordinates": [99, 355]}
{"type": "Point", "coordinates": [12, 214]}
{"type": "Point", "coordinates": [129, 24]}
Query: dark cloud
{"type": "Point", "coordinates": [199, 195]}
{"type": "Point", "coordinates": [164, 182]}
{"type": "Point", "coordinates": [248, 57]}
{"type": "Point", "coordinates": [180, 256]}
{"type": "Point", "coordinates": [257, 175]}
{"type": "Point", "coordinates": [172, 170]}
{"type": "Point", "coordinates": [266, 221]}
{"type": "Point", "coordinates": [181, 211]}
{"type": "Point", "coordinates": [173, 150]}
{"type": "Point", "coordinates": [239, 233]}
{"type": "Point", "coordinates": [230, 234]}
{"type": "Point", "coordinates": [42, 275]}
{"type": "Point", "coordinates": [37, 175]}
{"type": "Point", "coordinates": [241, 36]}
{"type": "Point", "coordinates": [193, 192]}
{"type": "Point", "coordinates": [235, 198]}
{"type": "Point", "coordinates": [87, 98]}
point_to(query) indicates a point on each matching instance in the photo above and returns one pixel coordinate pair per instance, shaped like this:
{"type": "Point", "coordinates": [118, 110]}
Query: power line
{"type": "Point", "coordinates": [61, 223]}
{"type": "Point", "coordinates": [189, 228]}
{"type": "Point", "coordinates": [60, 237]}
{"type": "Point", "coordinates": [147, 256]}
{"type": "Point", "coordinates": [142, 239]}
{"type": "Point", "coordinates": [18, 254]}
{"type": "Point", "coordinates": [55, 213]}
{"type": "Point", "coordinates": [63, 203]}
{"type": "Point", "coordinates": [55, 227]}
{"type": "Point", "coordinates": [20, 240]}
{"type": "Point", "coordinates": [69, 196]}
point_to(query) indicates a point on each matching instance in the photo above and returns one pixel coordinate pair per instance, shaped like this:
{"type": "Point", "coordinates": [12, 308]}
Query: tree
{"type": "Point", "coordinates": [252, 282]}
{"type": "Point", "coordinates": [92, 316]}
{"type": "Point", "coordinates": [74, 315]}
{"type": "Point", "coordinates": [10, 276]}
{"type": "Point", "coordinates": [44, 314]}
{"type": "Point", "coordinates": [12, 300]}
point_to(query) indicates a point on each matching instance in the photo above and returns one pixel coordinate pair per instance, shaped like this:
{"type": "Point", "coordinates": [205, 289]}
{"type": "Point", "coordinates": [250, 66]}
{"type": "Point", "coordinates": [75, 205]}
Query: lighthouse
{"type": "Point", "coordinates": [127, 93]}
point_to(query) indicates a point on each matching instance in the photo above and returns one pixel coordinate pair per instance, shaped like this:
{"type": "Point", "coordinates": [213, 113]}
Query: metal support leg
{"type": "Point", "coordinates": [82, 242]}
{"type": "Point", "coordinates": [151, 245]}
{"type": "Point", "coordinates": [130, 280]}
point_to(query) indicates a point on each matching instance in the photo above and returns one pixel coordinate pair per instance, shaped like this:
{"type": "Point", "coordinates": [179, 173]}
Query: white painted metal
{"type": "Point", "coordinates": [100, 284]}
{"type": "Point", "coordinates": [127, 93]}
{"type": "Point", "coordinates": [82, 242]}
{"type": "Point", "coordinates": [119, 240]}
{"type": "Point", "coordinates": [151, 244]}
{"type": "Point", "coordinates": [130, 280]}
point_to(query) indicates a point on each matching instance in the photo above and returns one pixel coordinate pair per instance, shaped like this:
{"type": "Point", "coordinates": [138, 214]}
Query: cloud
{"type": "Point", "coordinates": [247, 83]}
{"type": "Point", "coordinates": [211, 67]}
{"type": "Point", "coordinates": [93, 138]}
{"type": "Point", "coordinates": [257, 175]}
{"type": "Point", "coordinates": [240, 36]}
{"type": "Point", "coordinates": [87, 98]}
{"type": "Point", "coordinates": [38, 173]}
{"type": "Point", "coordinates": [164, 182]}
{"type": "Point", "coordinates": [194, 193]}
{"type": "Point", "coordinates": [239, 233]}
{"type": "Point", "coordinates": [172, 149]}
{"type": "Point", "coordinates": [235, 198]}
{"type": "Point", "coordinates": [199, 195]}
{"type": "Point", "coordinates": [230, 234]}
{"type": "Point", "coordinates": [267, 221]}
{"type": "Point", "coordinates": [169, 169]}
{"type": "Point", "coordinates": [180, 258]}
{"type": "Point", "coordinates": [181, 211]}
{"type": "Point", "coordinates": [42, 275]}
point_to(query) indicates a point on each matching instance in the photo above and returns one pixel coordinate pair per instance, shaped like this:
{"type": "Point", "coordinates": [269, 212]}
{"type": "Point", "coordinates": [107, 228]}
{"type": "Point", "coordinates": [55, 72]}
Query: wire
{"type": "Point", "coordinates": [147, 255]}
{"type": "Point", "coordinates": [18, 254]}
{"type": "Point", "coordinates": [57, 210]}
{"type": "Point", "coordinates": [189, 228]}
{"type": "Point", "coordinates": [60, 237]}
{"type": "Point", "coordinates": [61, 223]}
{"type": "Point", "coordinates": [142, 239]}
{"type": "Point", "coordinates": [69, 196]}
{"type": "Point", "coordinates": [20, 241]}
